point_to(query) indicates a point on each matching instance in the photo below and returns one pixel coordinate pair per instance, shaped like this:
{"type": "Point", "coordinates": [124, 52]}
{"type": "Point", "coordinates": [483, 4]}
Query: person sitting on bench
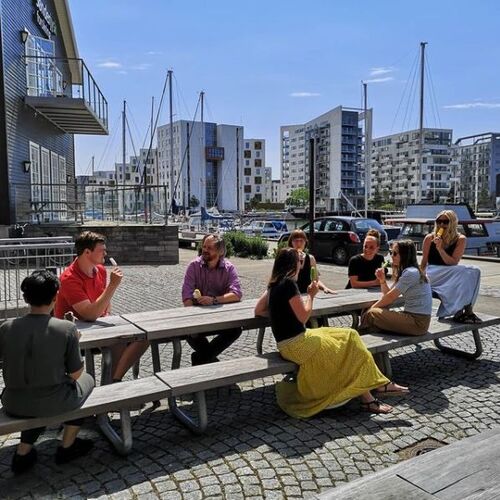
{"type": "Point", "coordinates": [410, 282]}
{"type": "Point", "coordinates": [456, 285]}
{"type": "Point", "coordinates": [334, 364]}
{"type": "Point", "coordinates": [43, 371]}
{"type": "Point", "coordinates": [362, 267]}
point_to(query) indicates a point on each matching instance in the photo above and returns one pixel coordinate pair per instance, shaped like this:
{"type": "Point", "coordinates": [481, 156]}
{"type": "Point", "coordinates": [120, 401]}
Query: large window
{"type": "Point", "coordinates": [48, 184]}
{"type": "Point", "coordinates": [43, 78]}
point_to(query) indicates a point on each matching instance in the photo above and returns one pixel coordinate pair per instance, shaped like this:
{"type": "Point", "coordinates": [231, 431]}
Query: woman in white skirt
{"type": "Point", "coordinates": [456, 285]}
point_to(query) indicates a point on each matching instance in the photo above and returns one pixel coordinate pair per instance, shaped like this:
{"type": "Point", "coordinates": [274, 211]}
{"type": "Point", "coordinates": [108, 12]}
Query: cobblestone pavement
{"type": "Point", "coordinates": [252, 450]}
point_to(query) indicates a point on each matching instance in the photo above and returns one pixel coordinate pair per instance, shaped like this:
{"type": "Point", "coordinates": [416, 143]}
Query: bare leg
{"type": "Point", "coordinates": [129, 356]}
{"type": "Point", "coordinates": [23, 448]}
{"type": "Point", "coordinates": [373, 405]}
{"type": "Point", "coordinates": [69, 435]}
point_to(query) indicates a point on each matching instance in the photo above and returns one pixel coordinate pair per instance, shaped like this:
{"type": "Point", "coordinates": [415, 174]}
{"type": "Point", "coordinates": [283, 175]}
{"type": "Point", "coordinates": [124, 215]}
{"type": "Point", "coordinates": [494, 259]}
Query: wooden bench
{"type": "Point", "coordinates": [379, 344]}
{"type": "Point", "coordinates": [197, 380]}
{"type": "Point", "coordinates": [103, 399]}
{"type": "Point", "coordinates": [469, 468]}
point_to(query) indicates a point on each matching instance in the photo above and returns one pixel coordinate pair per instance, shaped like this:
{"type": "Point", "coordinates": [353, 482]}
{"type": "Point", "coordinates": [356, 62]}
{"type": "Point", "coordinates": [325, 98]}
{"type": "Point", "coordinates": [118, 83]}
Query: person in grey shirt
{"type": "Point", "coordinates": [411, 283]}
{"type": "Point", "coordinates": [43, 371]}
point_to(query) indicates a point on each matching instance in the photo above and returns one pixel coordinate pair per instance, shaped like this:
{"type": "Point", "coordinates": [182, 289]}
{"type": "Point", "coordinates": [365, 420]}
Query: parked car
{"type": "Point", "coordinates": [483, 235]}
{"type": "Point", "coordinates": [339, 238]}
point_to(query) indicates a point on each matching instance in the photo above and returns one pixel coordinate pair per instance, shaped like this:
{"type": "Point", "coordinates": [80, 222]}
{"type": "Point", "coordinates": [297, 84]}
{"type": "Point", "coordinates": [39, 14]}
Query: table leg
{"type": "Point", "coordinates": [176, 357]}
{"type": "Point", "coordinates": [106, 366]}
{"type": "Point", "coordinates": [197, 427]}
{"type": "Point", "coordinates": [457, 352]}
{"type": "Point", "coordinates": [123, 443]}
{"type": "Point", "coordinates": [155, 354]}
{"type": "Point", "coordinates": [260, 339]}
{"type": "Point", "coordinates": [89, 363]}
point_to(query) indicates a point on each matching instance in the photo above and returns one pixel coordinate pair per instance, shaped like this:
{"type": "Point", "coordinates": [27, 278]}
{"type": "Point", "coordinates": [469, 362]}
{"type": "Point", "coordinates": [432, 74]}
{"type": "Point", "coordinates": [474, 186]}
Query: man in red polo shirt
{"type": "Point", "coordinates": [84, 292]}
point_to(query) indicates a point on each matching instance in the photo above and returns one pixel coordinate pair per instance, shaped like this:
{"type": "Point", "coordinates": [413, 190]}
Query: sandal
{"type": "Point", "coordinates": [375, 406]}
{"type": "Point", "coordinates": [469, 319]}
{"type": "Point", "coordinates": [384, 390]}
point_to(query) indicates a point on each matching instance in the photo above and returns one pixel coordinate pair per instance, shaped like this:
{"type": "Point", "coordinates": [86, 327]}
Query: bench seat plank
{"type": "Point", "coordinates": [103, 399]}
{"type": "Point", "coordinates": [200, 378]}
{"type": "Point", "coordinates": [383, 342]}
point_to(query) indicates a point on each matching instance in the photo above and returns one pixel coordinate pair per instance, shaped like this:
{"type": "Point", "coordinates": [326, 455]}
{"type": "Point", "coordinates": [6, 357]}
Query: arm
{"type": "Point", "coordinates": [425, 251]}
{"type": "Point", "coordinates": [261, 308]}
{"type": "Point", "coordinates": [454, 259]}
{"type": "Point", "coordinates": [355, 283]}
{"type": "Point", "coordinates": [73, 361]}
{"type": "Point", "coordinates": [302, 309]}
{"type": "Point", "coordinates": [388, 298]}
{"type": "Point", "coordinates": [321, 285]}
{"type": "Point", "coordinates": [381, 278]}
{"type": "Point", "coordinates": [90, 311]}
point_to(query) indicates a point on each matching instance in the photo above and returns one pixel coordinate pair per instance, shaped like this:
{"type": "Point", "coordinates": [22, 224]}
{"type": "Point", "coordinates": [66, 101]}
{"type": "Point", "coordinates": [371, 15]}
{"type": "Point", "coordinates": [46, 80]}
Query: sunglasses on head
{"type": "Point", "coordinates": [442, 221]}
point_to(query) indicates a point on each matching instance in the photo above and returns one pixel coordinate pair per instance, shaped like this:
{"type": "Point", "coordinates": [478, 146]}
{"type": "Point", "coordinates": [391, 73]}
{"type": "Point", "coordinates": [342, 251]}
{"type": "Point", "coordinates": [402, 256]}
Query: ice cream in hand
{"type": "Point", "coordinates": [113, 261]}
{"type": "Point", "coordinates": [440, 232]}
{"type": "Point", "coordinates": [314, 274]}
{"type": "Point", "coordinates": [196, 294]}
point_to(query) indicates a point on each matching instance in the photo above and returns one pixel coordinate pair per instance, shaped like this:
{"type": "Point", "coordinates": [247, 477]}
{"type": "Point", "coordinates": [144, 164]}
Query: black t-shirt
{"type": "Point", "coordinates": [304, 277]}
{"type": "Point", "coordinates": [284, 323]}
{"type": "Point", "coordinates": [434, 256]}
{"type": "Point", "coordinates": [364, 269]}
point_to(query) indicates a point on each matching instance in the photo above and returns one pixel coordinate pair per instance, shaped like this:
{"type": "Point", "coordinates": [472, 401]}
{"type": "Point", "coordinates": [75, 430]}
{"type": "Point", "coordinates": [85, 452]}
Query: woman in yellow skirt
{"type": "Point", "coordinates": [334, 364]}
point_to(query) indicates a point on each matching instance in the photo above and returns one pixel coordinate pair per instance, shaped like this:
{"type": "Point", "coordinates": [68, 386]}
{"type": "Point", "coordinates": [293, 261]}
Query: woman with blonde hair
{"type": "Point", "coordinates": [410, 282]}
{"type": "Point", "coordinates": [334, 364]}
{"type": "Point", "coordinates": [456, 285]}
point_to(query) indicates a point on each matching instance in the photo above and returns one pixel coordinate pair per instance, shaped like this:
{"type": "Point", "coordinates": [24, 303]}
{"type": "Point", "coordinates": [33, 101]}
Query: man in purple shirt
{"type": "Point", "coordinates": [217, 282]}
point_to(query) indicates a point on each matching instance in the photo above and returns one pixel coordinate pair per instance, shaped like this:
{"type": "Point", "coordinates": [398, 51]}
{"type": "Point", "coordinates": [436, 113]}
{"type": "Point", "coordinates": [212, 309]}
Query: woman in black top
{"type": "Point", "coordinates": [456, 285]}
{"type": "Point", "coordinates": [334, 364]}
{"type": "Point", "coordinates": [298, 240]}
{"type": "Point", "coordinates": [362, 267]}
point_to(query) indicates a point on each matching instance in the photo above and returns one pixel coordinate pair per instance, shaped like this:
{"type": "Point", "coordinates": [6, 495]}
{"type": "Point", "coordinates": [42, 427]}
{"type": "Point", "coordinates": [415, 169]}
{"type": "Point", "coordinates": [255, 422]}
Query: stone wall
{"type": "Point", "coordinates": [126, 243]}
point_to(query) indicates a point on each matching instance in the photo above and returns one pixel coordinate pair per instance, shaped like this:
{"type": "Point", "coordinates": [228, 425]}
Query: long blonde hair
{"type": "Point", "coordinates": [451, 233]}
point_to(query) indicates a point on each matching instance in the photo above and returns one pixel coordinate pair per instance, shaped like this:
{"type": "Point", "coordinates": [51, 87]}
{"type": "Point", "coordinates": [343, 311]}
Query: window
{"type": "Point", "coordinates": [258, 180]}
{"type": "Point", "coordinates": [258, 163]}
{"type": "Point", "coordinates": [247, 162]}
{"type": "Point", "coordinates": [257, 145]}
{"type": "Point", "coordinates": [35, 172]}
{"type": "Point", "coordinates": [257, 154]}
{"type": "Point", "coordinates": [43, 78]}
{"type": "Point", "coordinates": [248, 189]}
{"type": "Point", "coordinates": [247, 153]}
{"type": "Point", "coordinates": [248, 171]}
{"type": "Point", "coordinates": [247, 145]}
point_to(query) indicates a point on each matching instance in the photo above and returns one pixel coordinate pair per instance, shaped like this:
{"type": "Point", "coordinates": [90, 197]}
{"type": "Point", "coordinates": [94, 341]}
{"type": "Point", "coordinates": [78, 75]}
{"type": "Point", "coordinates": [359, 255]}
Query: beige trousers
{"type": "Point", "coordinates": [403, 323]}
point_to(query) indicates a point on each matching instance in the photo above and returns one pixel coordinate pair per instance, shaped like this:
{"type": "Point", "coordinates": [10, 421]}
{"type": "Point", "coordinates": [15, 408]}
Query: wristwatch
{"type": "Point", "coordinates": [214, 301]}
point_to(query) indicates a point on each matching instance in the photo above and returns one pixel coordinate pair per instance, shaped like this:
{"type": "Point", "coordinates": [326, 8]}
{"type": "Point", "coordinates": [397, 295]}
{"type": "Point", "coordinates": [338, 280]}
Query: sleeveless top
{"type": "Point", "coordinates": [304, 277]}
{"type": "Point", "coordinates": [435, 259]}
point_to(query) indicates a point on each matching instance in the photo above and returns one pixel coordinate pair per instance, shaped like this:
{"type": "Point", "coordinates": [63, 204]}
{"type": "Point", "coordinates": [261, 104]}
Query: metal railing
{"type": "Point", "coordinates": [19, 257]}
{"type": "Point", "coordinates": [52, 77]}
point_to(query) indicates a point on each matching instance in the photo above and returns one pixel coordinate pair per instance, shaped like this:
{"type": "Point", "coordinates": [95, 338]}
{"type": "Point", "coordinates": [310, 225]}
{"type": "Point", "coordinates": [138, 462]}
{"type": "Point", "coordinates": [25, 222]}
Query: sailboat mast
{"type": "Point", "coordinates": [421, 118]}
{"type": "Point", "coordinates": [203, 195]}
{"type": "Point", "coordinates": [367, 149]}
{"type": "Point", "coordinates": [171, 116]}
{"type": "Point", "coordinates": [124, 159]}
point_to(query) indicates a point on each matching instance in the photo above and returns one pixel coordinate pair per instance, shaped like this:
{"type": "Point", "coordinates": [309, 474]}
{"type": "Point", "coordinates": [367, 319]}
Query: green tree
{"type": "Point", "coordinates": [298, 198]}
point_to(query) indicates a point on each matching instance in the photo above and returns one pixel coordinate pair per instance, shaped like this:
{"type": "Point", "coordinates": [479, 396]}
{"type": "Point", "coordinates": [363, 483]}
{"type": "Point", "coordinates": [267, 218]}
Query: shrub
{"type": "Point", "coordinates": [246, 246]}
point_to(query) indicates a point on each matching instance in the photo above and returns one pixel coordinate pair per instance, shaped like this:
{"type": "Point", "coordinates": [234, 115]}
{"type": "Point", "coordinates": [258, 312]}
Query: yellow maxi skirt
{"type": "Point", "coordinates": [334, 366]}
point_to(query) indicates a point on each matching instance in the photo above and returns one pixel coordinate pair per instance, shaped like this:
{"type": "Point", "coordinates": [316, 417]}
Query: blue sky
{"type": "Point", "coordinates": [270, 63]}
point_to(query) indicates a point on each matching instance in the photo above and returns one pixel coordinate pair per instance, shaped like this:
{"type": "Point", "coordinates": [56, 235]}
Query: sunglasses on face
{"type": "Point", "coordinates": [445, 222]}
{"type": "Point", "coordinates": [393, 253]}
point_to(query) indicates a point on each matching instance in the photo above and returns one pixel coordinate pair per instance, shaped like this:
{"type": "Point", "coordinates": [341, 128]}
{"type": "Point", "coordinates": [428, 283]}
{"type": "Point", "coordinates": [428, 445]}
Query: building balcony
{"type": "Point", "coordinates": [64, 92]}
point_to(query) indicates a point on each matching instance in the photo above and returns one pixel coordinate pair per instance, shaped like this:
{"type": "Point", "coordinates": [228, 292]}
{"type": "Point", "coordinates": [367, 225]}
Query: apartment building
{"type": "Point", "coordinates": [398, 175]}
{"type": "Point", "coordinates": [339, 164]}
{"type": "Point", "coordinates": [277, 194]}
{"type": "Point", "coordinates": [203, 165]}
{"type": "Point", "coordinates": [256, 176]}
{"type": "Point", "coordinates": [475, 168]}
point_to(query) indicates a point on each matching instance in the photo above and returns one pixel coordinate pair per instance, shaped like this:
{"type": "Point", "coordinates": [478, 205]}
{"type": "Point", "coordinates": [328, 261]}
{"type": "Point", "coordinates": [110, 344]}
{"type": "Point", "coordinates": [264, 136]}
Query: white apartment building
{"type": "Point", "coordinates": [476, 170]}
{"type": "Point", "coordinates": [256, 176]}
{"type": "Point", "coordinates": [104, 196]}
{"type": "Point", "coordinates": [206, 165]}
{"type": "Point", "coordinates": [339, 166]}
{"type": "Point", "coordinates": [277, 192]}
{"type": "Point", "coordinates": [398, 176]}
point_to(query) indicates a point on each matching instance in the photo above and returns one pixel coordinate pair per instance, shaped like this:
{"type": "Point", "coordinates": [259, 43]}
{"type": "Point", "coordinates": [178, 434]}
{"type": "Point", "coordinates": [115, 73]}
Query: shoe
{"type": "Point", "coordinates": [78, 449]}
{"type": "Point", "coordinates": [376, 406]}
{"type": "Point", "coordinates": [23, 463]}
{"type": "Point", "coordinates": [385, 391]}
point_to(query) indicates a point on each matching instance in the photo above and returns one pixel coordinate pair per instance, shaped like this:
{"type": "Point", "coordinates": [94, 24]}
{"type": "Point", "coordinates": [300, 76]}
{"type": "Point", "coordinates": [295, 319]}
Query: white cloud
{"type": "Point", "coordinates": [380, 71]}
{"type": "Point", "coordinates": [110, 65]}
{"type": "Point", "coordinates": [379, 80]}
{"type": "Point", "coordinates": [304, 94]}
{"type": "Point", "coordinates": [153, 53]}
{"type": "Point", "coordinates": [140, 66]}
{"type": "Point", "coordinates": [122, 72]}
{"type": "Point", "coordinates": [475, 104]}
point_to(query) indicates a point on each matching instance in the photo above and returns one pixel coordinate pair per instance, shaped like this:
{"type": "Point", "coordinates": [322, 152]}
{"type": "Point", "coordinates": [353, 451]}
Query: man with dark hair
{"type": "Point", "coordinates": [211, 279]}
{"type": "Point", "coordinates": [43, 371]}
{"type": "Point", "coordinates": [85, 292]}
